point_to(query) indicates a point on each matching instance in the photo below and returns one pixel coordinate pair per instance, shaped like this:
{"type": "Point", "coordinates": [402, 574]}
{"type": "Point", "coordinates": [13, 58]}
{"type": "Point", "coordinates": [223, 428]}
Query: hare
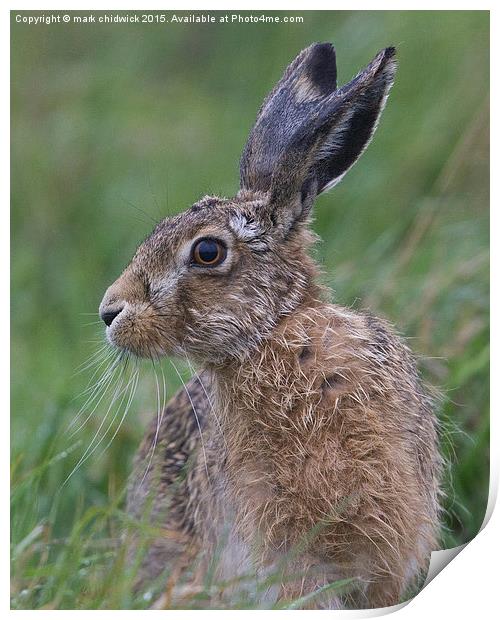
{"type": "Point", "coordinates": [306, 449]}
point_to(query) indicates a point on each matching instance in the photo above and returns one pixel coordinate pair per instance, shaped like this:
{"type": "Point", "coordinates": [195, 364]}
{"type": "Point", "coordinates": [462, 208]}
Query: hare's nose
{"type": "Point", "coordinates": [108, 316]}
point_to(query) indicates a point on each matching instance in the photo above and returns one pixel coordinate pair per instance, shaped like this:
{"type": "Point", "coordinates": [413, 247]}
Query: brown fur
{"type": "Point", "coordinates": [319, 458]}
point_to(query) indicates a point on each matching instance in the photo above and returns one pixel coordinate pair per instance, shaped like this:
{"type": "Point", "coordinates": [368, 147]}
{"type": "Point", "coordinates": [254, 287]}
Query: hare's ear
{"type": "Point", "coordinates": [309, 133]}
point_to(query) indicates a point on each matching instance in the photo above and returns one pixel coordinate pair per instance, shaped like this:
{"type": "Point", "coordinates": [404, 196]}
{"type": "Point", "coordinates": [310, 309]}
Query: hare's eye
{"type": "Point", "coordinates": [208, 253]}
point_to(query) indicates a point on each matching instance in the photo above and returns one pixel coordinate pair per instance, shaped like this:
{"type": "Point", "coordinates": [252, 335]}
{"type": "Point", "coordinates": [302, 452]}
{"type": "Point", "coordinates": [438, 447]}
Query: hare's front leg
{"type": "Point", "coordinates": [309, 585]}
{"type": "Point", "coordinates": [160, 495]}
{"type": "Point", "coordinates": [317, 592]}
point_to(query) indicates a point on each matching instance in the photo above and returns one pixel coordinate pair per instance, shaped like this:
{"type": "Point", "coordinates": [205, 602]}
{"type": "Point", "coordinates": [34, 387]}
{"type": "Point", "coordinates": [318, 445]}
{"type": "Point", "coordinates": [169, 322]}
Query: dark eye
{"type": "Point", "coordinates": [209, 252]}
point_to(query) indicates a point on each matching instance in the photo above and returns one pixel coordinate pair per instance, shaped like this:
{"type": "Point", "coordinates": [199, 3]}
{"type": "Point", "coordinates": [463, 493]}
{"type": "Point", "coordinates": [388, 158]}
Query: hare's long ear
{"type": "Point", "coordinates": [308, 133]}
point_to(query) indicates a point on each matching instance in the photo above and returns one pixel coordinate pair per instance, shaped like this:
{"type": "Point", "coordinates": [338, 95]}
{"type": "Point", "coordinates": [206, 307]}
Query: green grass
{"type": "Point", "coordinates": [115, 125]}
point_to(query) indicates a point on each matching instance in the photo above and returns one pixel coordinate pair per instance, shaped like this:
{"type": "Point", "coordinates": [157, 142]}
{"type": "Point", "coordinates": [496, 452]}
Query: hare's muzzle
{"type": "Point", "coordinates": [132, 322]}
{"type": "Point", "coordinates": [113, 302]}
{"type": "Point", "coordinates": [126, 289]}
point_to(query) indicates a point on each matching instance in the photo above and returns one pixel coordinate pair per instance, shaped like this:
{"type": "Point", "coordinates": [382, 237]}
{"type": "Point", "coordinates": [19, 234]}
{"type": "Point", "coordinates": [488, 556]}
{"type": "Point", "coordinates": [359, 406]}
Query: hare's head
{"type": "Point", "coordinates": [212, 282]}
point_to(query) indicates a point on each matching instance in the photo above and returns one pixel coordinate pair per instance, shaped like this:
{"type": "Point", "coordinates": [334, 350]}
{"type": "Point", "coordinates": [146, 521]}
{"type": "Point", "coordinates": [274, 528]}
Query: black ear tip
{"type": "Point", "coordinates": [385, 62]}
{"type": "Point", "coordinates": [323, 48]}
{"type": "Point", "coordinates": [322, 67]}
{"type": "Point", "coordinates": [323, 55]}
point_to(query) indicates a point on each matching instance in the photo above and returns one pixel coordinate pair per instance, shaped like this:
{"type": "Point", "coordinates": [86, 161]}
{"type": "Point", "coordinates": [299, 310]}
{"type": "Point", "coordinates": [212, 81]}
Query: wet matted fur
{"type": "Point", "coordinates": [307, 446]}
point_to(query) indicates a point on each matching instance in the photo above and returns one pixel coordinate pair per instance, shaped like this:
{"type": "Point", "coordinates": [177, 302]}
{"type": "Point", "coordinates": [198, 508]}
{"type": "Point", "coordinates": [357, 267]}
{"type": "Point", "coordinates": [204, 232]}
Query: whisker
{"type": "Point", "coordinates": [100, 388]}
{"type": "Point", "coordinates": [109, 382]}
{"type": "Point", "coordinates": [95, 354]}
{"type": "Point", "coordinates": [104, 353]}
{"type": "Point", "coordinates": [161, 408]}
{"type": "Point", "coordinates": [90, 450]}
{"type": "Point", "coordinates": [133, 388]}
{"type": "Point", "coordinates": [104, 382]}
{"type": "Point", "coordinates": [99, 363]}
{"type": "Point", "coordinates": [148, 215]}
{"type": "Point", "coordinates": [212, 408]}
{"type": "Point", "coordinates": [195, 415]}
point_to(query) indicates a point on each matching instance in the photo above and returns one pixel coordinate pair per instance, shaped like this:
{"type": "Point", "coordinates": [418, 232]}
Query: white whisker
{"type": "Point", "coordinates": [105, 382]}
{"type": "Point", "coordinates": [212, 408]}
{"type": "Point", "coordinates": [90, 386]}
{"type": "Point", "coordinates": [195, 415]}
{"type": "Point", "coordinates": [133, 388]}
{"type": "Point", "coordinates": [97, 354]}
{"type": "Point", "coordinates": [90, 449]}
{"type": "Point", "coordinates": [159, 419]}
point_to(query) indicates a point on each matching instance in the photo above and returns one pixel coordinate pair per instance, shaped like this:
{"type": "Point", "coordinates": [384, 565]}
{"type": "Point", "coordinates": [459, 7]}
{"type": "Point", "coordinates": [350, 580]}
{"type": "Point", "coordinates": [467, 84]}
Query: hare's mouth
{"type": "Point", "coordinates": [137, 331]}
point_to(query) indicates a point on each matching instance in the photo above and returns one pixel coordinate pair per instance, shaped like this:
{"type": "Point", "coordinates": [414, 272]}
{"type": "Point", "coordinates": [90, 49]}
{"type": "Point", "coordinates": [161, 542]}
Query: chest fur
{"type": "Point", "coordinates": [286, 460]}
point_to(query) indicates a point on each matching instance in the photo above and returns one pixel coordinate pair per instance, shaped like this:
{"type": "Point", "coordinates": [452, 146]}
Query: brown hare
{"type": "Point", "coordinates": [305, 452]}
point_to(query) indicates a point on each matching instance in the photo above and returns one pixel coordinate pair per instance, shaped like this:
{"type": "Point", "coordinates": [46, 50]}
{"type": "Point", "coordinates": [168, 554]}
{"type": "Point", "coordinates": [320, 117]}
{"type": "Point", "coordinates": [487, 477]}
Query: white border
{"type": "Point", "coordinates": [468, 585]}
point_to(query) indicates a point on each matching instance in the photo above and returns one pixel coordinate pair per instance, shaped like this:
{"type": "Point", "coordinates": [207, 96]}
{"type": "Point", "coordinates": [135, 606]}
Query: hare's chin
{"type": "Point", "coordinates": [135, 344]}
{"type": "Point", "coordinates": [138, 350]}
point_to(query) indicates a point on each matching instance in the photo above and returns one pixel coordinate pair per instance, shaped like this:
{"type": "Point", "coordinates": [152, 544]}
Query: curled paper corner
{"type": "Point", "coordinates": [384, 611]}
{"type": "Point", "coordinates": [439, 560]}
{"type": "Point", "coordinates": [492, 499]}
{"type": "Point", "coordinates": [374, 613]}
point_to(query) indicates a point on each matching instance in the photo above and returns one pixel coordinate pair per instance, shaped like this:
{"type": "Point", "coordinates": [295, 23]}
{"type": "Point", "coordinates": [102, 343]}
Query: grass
{"type": "Point", "coordinates": [113, 126]}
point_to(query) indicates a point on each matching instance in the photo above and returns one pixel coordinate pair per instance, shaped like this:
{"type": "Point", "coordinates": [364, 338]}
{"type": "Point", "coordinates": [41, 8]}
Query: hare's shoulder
{"type": "Point", "coordinates": [362, 357]}
{"type": "Point", "coordinates": [363, 340]}
{"type": "Point", "coordinates": [335, 332]}
{"type": "Point", "coordinates": [371, 374]}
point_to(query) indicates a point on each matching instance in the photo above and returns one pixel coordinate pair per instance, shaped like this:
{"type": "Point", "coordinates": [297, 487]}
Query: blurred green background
{"type": "Point", "coordinates": [116, 125]}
